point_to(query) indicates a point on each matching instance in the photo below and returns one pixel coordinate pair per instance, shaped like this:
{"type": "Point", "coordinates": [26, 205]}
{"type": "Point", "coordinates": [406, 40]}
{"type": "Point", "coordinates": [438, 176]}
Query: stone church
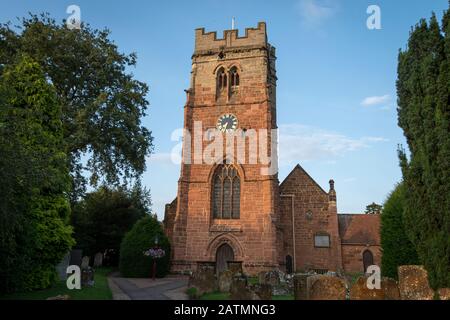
{"type": "Point", "coordinates": [231, 210]}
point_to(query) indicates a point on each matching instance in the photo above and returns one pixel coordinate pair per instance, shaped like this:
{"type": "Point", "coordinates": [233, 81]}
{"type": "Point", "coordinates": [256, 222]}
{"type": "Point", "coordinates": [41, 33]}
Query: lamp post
{"type": "Point", "coordinates": [156, 240]}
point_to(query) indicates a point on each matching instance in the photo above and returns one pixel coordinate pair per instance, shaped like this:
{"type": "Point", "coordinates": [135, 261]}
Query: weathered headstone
{"type": "Point", "coordinates": [262, 277]}
{"type": "Point", "coordinates": [85, 262]}
{"type": "Point", "coordinates": [272, 278]}
{"type": "Point", "coordinates": [390, 288]}
{"type": "Point", "coordinates": [413, 283]}
{"type": "Point", "coordinates": [444, 293]}
{"type": "Point", "coordinates": [98, 260]}
{"type": "Point", "coordinates": [61, 268]}
{"type": "Point", "coordinates": [76, 256]}
{"type": "Point", "coordinates": [224, 280]}
{"type": "Point", "coordinates": [301, 286]}
{"type": "Point", "coordinates": [262, 291]}
{"type": "Point", "coordinates": [239, 289]}
{"type": "Point", "coordinates": [360, 291]}
{"type": "Point", "coordinates": [326, 288]}
{"type": "Point", "coordinates": [87, 277]}
{"type": "Point", "coordinates": [204, 278]}
{"type": "Point", "coordinates": [235, 267]}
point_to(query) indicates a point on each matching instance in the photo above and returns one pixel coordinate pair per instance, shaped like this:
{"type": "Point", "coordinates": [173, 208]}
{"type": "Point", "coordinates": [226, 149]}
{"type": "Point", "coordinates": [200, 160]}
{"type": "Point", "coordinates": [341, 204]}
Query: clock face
{"type": "Point", "coordinates": [227, 122]}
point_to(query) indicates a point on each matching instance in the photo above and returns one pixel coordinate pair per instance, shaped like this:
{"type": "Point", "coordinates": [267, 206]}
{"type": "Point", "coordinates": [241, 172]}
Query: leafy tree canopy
{"type": "Point", "coordinates": [397, 248]}
{"type": "Point", "coordinates": [34, 206]}
{"type": "Point", "coordinates": [102, 217]}
{"type": "Point", "coordinates": [102, 103]}
{"type": "Point", "coordinates": [423, 89]}
{"type": "Point", "coordinates": [374, 208]}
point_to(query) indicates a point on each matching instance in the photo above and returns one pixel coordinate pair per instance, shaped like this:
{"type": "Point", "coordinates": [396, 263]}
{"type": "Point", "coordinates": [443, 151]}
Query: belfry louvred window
{"type": "Point", "coordinates": [221, 80]}
{"type": "Point", "coordinates": [234, 77]}
{"type": "Point", "coordinates": [234, 81]}
{"type": "Point", "coordinates": [226, 195]}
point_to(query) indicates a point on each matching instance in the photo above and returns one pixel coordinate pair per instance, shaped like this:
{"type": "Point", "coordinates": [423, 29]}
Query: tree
{"type": "Point", "coordinates": [374, 208]}
{"type": "Point", "coordinates": [102, 103]}
{"type": "Point", "coordinates": [102, 217]}
{"type": "Point", "coordinates": [133, 262]}
{"type": "Point", "coordinates": [34, 206]}
{"type": "Point", "coordinates": [397, 248]}
{"type": "Point", "coordinates": [424, 115]}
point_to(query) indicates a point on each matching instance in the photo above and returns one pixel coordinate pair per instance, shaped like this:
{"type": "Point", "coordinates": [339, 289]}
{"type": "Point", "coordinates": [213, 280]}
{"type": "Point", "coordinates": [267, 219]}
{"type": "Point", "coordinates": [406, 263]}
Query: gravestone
{"type": "Point", "coordinates": [413, 283]}
{"type": "Point", "coordinates": [61, 268]}
{"type": "Point", "coordinates": [239, 289]}
{"type": "Point", "coordinates": [98, 260]}
{"type": "Point", "coordinates": [261, 291]}
{"type": "Point", "coordinates": [235, 267]}
{"type": "Point", "coordinates": [85, 262]}
{"type": "Point", "coordinates": [326, 288]}
{"type": "Point", "coordinates": [76, 256]}
{"type": "Point", "coordinates": [204, 278]}
{"type": "Point", "coordinates": [360, 291]}
{"type": "Point", "coordinates": [444, 294]}
{"type": "Point", "coordinates": [262, 277]}
{"type": "Point", "coordinates": [301, 286]}
{"type": "Point", "coordinates": [224, 280]}
{"type": "Point", "coordinates": [87, 277]}
{"type": "Point", "coordinates": [272, 278]}
{"type": "Point", "coordinates": [390, 288]}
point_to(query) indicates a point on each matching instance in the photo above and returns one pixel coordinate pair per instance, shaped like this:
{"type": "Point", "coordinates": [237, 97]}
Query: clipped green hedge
{"type": "Point", "coordinates": [133, 263]}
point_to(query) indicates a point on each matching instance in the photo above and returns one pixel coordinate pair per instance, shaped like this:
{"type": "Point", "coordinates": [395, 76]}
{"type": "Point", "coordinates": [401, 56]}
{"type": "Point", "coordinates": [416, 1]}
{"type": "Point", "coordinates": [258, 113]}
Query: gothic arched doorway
{"type": "Point", "coordinates": [367, 259]}
{"type": "Point", "coordinates": [224, 254]}
{"type": "Point", "coordinates": [289, 265]}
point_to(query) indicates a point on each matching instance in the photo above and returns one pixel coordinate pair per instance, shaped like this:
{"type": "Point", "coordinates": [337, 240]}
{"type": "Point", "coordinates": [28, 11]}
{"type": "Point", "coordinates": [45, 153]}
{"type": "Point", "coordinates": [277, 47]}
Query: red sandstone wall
{"type": "Point", "coordinates": [309, 197]}
{"type": "Point", "coordinates": [196, 234]}
{"type": "Point", "coordinates": [352, 256]}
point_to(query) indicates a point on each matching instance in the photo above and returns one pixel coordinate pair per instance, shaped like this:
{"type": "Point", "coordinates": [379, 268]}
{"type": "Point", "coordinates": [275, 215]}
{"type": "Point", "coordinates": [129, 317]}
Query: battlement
{"type": "Point", "coordinates": [255, 37]}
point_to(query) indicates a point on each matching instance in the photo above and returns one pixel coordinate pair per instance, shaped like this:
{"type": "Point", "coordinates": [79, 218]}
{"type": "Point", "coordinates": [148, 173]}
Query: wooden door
{"type": "Point", "coordinates": [224, 254]}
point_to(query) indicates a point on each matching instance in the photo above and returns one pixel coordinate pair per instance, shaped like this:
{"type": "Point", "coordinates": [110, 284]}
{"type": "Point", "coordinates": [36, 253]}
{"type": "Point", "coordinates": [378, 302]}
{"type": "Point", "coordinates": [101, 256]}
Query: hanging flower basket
{"type": "Point", "coordinates": [155, 253]}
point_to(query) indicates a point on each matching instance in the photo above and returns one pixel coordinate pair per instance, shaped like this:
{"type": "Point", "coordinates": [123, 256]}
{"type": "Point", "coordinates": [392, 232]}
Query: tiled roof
{"type": "Point", "coordinates": [359, 228]}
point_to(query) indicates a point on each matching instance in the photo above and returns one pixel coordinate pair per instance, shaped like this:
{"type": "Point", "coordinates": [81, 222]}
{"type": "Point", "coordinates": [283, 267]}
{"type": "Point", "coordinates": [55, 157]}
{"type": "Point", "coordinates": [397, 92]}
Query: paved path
{"type": "Point", "coordinates": [169, 288]}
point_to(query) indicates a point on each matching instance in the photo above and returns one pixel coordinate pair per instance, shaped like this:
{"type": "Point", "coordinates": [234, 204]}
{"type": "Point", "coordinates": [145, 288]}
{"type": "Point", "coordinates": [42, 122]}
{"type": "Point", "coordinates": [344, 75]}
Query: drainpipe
{"type": "Point", "coordinates": [292, 196]}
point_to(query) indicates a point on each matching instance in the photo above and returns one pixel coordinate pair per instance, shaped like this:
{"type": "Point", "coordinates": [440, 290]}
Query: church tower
{"type": "Point", "coordinates": [227, 202]}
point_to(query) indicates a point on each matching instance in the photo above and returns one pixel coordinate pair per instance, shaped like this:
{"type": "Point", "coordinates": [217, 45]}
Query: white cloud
{"type": "Point", "coordinates": [315, 12]}
{"type": "Point", "coordinates": [299, 143]}
{"type": "Point", "coordinates": [376, 100]}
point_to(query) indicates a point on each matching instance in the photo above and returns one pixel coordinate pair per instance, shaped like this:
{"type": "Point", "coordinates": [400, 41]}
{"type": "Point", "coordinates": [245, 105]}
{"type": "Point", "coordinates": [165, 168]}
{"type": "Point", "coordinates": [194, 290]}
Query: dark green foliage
{"type": "Point", "coordinates": [102, 104]}
{"type": "Point", "coordinates": [102, 218]}
{"type": "Point", "coordinates": [397, 248]}
{"type": "Point", "coordinates": [34, 206]}
{"type": "Point", "coordinates": [133, 263]}
{"type": "Point", "coordinates": [423, 89]}
{"type": "Point", "coordinates": [374, 208]}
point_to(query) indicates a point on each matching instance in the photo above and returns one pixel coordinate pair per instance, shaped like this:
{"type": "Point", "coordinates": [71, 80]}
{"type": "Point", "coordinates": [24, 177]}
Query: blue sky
{"type": "Point", "coordinates": [336, 88]}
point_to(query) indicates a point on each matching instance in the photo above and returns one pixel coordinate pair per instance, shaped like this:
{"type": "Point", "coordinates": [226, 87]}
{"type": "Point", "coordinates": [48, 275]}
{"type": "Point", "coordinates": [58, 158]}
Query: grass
{"type": "Point", "coordinates": [226, 296]}
{"type": "Point", "coordinates": [100, 290]}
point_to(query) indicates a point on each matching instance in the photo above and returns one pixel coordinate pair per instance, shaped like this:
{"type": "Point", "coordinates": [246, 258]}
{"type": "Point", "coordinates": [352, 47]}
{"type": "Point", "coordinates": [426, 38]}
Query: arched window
{"type": "Point", "coordinates": [234, 81]}
{"type": "Point", "coordinates": [221, 80]}
{"type": "Point", "coordinates": [367, 259]}
{"type": "Point", "coordinates": [226, 195]}
{"type": "Point", "coordinates": [234, 77]}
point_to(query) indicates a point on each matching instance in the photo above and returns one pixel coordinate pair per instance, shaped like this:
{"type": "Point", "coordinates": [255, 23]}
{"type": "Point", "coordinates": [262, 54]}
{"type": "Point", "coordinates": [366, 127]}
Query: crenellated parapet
{"type": "Point", "coordinates": [208, 41]}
